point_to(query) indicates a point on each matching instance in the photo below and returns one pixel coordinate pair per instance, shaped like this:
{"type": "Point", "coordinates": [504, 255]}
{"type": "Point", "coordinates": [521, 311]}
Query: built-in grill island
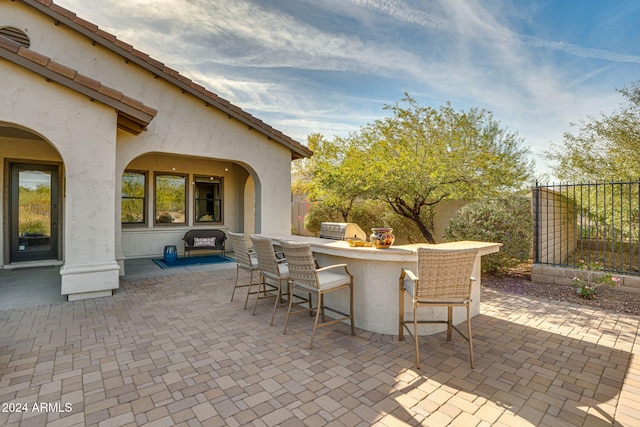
{"type": "Point", "coordinates": [341, 231]}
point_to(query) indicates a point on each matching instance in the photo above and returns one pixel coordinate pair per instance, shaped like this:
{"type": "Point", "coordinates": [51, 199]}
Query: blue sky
{"type": "Point", "coordinates": [330, 66]}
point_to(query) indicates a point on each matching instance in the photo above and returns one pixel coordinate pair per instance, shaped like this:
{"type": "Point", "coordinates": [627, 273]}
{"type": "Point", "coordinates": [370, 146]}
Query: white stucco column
{"type": "Point", "coordinates": [90, 268]}
{"type": "Point", "coordinates": [84, 133]}
{"type": "Point", "coordinates": [272, 180]}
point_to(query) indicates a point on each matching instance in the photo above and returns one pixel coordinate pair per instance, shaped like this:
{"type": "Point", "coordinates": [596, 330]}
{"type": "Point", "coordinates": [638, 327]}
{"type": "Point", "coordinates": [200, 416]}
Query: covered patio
{"type": "Point", "coordinates": [171, 349]}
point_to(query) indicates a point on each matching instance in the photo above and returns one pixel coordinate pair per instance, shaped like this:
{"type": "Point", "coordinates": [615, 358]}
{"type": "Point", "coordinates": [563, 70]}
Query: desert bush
{"type": "Point", "coordinates": [506, 220]}
{"type": "Point", "coordinates": [318, 213]}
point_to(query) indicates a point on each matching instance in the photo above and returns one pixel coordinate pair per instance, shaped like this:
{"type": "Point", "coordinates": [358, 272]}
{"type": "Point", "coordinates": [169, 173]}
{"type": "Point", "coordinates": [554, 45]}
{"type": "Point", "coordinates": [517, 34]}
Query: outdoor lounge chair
{"type": "Point", "coordinates": [444, 279]}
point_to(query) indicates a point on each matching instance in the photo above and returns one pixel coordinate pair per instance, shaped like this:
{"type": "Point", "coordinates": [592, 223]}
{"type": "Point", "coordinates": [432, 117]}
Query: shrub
{"type": "Point", "coordinates": [506, 220]}
{"type": "Point", "coordinates": [34, 227]}
{"type": "Point", "coordinates": [588, 280]}
{"type": "Point", "coordinates": [318, 213]}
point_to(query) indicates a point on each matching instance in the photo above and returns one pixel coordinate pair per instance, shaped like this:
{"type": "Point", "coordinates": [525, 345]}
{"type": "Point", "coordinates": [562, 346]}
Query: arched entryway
{"type": "Point", "coordinates": [164, 195]}
{"type": "Point", "coordinates": [32, 197]}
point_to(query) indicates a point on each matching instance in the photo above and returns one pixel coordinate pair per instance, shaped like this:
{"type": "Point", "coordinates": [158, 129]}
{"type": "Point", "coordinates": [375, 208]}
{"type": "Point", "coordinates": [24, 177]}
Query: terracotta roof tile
{"type": "Point", "coordinates": [33, 56]}
{"type": "Point", "coordinates": [211, 95]}
{"type": "Point", "coordinates": [10, 45]}
{"type": "Point", "coordinates": [170, 71]}
{"type": "Point", "coordinates": [140, 54]}
{"type": "Point", "coordinates": [148, 110]}
{"type": "Point", "coordinates": [122, 45]}
{"type": "Point", "coordinates": [159, 65]}
{"type": "Point", "coordinates": [132, 102]}
{"type": "Point", "coordinates": [69, 77]}
{"type": "Point", "coordinates": [88, 25]}
{"type": "Point", "coordinates": [197, 87]}
{"type": "Point", "coordinates": [184, 79]}
{"type": "Point", "coordinates": [106, 35]}
{"type": "Point", "coordinates": [110, 41]}
{"type": "Point", "coordinates": [110, 92]}
{"type": "Point", "coordinates": [88, 82]}
{"type": "Point", "coordinates": [59, 9]}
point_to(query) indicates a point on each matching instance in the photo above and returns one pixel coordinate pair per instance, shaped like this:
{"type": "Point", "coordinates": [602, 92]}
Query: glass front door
{"type": "Point", "coordinates": [34, 212]}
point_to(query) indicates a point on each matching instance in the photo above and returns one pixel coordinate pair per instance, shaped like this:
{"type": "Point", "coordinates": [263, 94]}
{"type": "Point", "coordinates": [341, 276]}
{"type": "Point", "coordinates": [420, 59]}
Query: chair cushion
{"type": "Point", "coordinates": [408, 285]}
{"type": "Point", "coordinates": [329, 280]}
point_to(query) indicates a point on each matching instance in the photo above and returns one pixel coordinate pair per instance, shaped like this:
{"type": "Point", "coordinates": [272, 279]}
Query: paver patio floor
{"type": "Point", "coordinates": [172, 350]}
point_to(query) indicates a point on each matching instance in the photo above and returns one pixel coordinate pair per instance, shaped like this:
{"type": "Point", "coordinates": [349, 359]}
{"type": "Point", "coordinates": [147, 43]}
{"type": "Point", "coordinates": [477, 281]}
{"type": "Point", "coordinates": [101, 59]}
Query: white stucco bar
{"type": "Point", "coordinates": [376, 273]}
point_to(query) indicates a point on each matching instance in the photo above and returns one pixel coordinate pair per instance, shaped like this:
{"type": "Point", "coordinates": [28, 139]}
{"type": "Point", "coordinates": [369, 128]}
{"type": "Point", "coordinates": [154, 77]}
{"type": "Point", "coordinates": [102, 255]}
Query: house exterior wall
{"type": "Point", "coordinates": [186, 134]}
{"type": "Point", "coordinates": [84, 133]}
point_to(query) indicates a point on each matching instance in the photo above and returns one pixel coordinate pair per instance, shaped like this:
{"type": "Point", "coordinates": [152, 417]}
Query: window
{"type": "Point", "coordinates": [170, 200]}
{"type": "Point", "coordinates": [134, 197]}
{"type": "Point", "coordinates": [208, 199]}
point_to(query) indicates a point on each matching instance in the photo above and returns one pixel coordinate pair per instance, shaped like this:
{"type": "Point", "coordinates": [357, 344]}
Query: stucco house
{"type": "Point", "coordinates": [107, 154]}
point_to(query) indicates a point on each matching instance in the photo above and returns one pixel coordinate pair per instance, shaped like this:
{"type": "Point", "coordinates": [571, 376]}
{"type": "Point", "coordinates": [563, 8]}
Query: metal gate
{"type": "Point", "coordinates": [597, 223]}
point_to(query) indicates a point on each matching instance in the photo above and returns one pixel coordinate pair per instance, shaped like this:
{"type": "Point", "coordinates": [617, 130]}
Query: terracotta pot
{"type": "Point", "coordinates": [382, 237]}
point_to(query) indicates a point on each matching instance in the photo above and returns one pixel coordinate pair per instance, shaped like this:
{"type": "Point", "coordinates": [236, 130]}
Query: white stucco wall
{"type": "Point", "coordinates": [83, 132]}
{"type": "Point", "coordinates": [183, 124]}
{"type": "Point", "coordinates": [198, 139]}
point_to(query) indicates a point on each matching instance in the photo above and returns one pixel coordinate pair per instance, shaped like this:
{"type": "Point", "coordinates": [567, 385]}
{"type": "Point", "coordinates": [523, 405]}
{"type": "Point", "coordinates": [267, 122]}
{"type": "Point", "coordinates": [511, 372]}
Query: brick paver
{"type": "Point", "coordinates": [173, 350]}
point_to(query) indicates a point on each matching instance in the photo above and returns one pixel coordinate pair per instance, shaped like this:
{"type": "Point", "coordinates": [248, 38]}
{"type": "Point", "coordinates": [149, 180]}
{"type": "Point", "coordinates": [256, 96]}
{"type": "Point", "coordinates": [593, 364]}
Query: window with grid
{"type": "Point", "coordinates": [134, 198]}
{"type": "Point", "coordinates": [207, 193]}
{"type": "Point", "coordinates": [170, 199]}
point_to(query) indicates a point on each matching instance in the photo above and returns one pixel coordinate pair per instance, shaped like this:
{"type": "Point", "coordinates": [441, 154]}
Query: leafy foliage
{"type": "Point", "coordinates": [333, 174]}
{"type": "Point", "coordinates": [506, 220]}
{"type": "Point", "coordinates": [318, 213]}
{"type": "Point", "coordinates": [34, 210]}
{"type": "Point", "coordinates": [374, 213]}
{"type": "Point", "coordinates": [367, 214]}
{"type": "Point", "coordinates": [415, 159]}
{"type": "Point", "coordinates": [604, 148]}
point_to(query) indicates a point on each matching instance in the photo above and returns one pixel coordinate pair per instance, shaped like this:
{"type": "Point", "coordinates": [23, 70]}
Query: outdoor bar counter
{"type": "Point", "coordinates": [376, 273]}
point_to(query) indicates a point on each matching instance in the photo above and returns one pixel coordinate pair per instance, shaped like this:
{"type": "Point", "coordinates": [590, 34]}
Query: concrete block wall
{"type": "Point", "coordinates": [563, 276]}
{"type": "Point", "coordinates": [556, 231]}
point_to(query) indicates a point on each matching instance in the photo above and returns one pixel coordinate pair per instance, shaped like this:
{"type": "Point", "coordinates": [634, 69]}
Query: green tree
{"type": "Point", "coordinates": [604, 148]}
{"type": "Point", "coordinates": [421, 156]}
{"type": "Point", "coordinates": [332, 175]}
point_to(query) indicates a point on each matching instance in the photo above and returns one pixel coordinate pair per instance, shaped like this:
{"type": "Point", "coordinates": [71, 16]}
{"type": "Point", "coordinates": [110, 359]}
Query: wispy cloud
{"type": "Point", "coordinates": [403, 12]}
{"type": "Point", "coordinates": [330, 65]}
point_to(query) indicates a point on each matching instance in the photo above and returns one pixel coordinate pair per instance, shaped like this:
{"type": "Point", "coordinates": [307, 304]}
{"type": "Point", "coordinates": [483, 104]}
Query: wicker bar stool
{"type": "Point", "coordinates": [305, 276]}
{"type": "Point", "coordinates": [245, 260]}
{"type": "Point", "coordinates": [272, 269]}
{"type": "Point", "coordinates": [444, 279]}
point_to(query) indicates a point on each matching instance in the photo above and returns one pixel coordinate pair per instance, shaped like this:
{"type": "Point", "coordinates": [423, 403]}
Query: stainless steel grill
{"type": "Point", "coordinates": [341, 231]}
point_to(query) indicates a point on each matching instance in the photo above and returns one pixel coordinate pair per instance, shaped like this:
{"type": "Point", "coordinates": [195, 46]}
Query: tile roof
{"type": "Point", "coordinates": [111, 42]}
{"type": "Point", "coordinates": [133, 115]}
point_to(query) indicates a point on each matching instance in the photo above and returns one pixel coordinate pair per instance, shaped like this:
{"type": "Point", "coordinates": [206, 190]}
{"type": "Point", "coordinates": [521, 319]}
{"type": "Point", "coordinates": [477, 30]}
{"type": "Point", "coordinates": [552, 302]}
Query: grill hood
{"type": "Point", "coordinates": [341, 231]}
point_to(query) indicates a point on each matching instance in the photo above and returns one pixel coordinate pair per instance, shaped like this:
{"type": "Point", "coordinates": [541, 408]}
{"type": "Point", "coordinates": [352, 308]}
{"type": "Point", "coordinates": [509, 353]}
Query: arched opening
{"type": "Point", "coordinates": [32, 181]}
{"type": "Point", "coordinates": [164, 195]}
{"type": "Point", "coordinates": [32, 196]}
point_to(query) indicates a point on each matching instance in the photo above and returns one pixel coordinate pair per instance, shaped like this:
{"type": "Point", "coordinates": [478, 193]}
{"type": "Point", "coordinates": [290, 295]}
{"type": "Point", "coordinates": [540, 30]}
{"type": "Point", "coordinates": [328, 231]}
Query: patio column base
{"type": "Point", "coordinates": [88, 295]}
{"type": "Point", "coordinates": [89, 280]}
